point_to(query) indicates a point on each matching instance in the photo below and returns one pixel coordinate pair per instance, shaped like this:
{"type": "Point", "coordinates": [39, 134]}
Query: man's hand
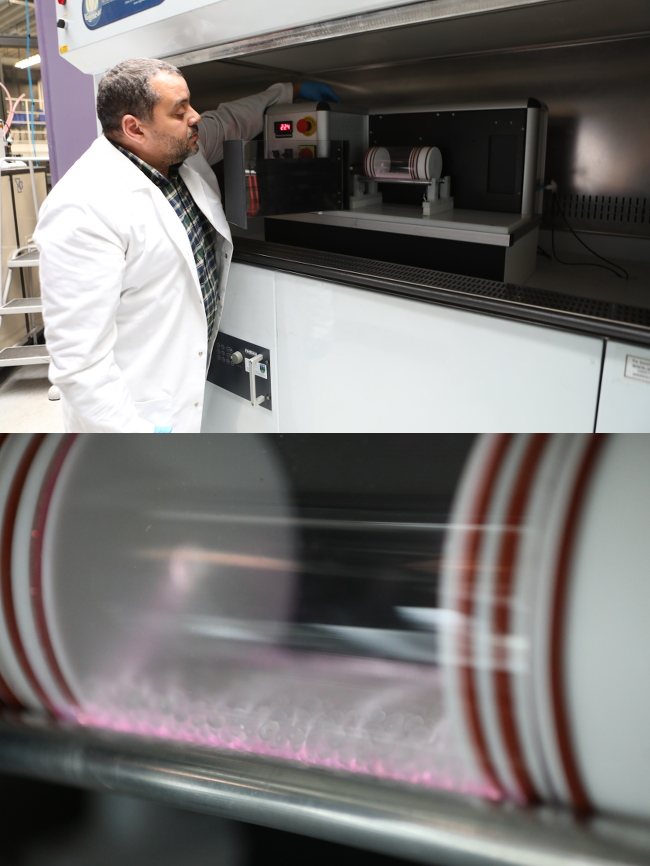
{"type": "Point", "coordinates": [314, 91]}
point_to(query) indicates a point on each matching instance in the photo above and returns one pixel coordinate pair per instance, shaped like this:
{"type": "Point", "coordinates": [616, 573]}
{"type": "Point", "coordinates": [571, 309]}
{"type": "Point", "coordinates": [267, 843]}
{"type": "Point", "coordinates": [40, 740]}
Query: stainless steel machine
{"type": "Point", "coordinates": [454, 189]}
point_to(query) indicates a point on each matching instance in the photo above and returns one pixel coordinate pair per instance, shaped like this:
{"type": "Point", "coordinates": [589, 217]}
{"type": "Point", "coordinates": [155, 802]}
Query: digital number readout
{"type": "Point", "coordinates": [283, 128]}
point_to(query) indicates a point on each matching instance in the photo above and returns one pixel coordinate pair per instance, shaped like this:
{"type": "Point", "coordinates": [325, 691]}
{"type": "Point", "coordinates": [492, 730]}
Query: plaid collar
{"type": "Point", "coordinates": [148, 170]}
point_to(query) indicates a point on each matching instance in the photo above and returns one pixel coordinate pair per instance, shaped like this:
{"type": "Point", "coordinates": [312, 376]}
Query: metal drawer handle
{"type": "Point", "coordinates": [253, 362]}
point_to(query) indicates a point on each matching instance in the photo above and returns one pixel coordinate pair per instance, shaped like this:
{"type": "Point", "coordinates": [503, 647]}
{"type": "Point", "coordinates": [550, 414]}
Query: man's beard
{"type": "Point", "coordinates": [177, 150]}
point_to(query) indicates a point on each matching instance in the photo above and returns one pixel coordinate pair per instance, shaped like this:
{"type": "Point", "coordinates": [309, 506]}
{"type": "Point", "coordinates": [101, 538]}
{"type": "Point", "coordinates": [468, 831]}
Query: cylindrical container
{"type": "Point", "coordinates": [438, 610]}
{"type": "Point", "coordinates": [403, 163]}
{"type": "Point", "coordinates": [195, 592]}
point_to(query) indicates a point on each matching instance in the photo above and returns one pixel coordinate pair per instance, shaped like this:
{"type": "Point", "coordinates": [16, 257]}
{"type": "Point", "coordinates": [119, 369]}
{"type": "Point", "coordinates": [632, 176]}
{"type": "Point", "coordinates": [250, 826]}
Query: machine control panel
{"type": "Point", "coordinates": [242, 368]}
{"type": "Point", "coordinates": [297, 131]}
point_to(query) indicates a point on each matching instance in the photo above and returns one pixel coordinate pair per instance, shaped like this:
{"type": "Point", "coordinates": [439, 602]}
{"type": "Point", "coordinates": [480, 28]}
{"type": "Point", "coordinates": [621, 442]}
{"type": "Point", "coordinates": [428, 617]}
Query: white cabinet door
{"type": "Point", "coordinates": [350, 360]}
{"type": "Point", "coordinates": [625, 393]}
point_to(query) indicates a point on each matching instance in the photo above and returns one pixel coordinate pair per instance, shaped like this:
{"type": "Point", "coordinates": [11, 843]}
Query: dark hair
{"type": "Point", "coordinates": [126, 89]}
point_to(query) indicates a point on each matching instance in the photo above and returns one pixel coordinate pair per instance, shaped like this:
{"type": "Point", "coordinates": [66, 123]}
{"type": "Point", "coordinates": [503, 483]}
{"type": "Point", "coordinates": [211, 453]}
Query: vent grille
{"type": "Point", "coordinates": [607, 208]}
{"type": "Point", "coordinates": [540, 299]}
{"type": "Point", "coordinates": [543, 301]}
{"type": "Point", "coordinates": [613, 213]}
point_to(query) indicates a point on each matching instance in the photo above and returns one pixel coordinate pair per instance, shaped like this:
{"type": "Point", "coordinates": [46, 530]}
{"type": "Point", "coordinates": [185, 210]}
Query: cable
{"type": "Point", "coordinates": [618, 270]}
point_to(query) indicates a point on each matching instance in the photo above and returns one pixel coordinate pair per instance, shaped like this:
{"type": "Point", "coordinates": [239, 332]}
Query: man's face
{"type": "Point", "coordinates": [172, 133]}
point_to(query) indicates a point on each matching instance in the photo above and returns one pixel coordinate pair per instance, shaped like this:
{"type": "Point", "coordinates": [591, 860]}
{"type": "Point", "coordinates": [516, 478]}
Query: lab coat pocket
{"type": "Point", "coordinates": [156, 412]}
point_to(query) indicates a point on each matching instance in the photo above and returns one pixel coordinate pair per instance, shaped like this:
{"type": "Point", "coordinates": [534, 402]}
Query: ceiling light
{"type": "Point", "coordinates": [34, 60]}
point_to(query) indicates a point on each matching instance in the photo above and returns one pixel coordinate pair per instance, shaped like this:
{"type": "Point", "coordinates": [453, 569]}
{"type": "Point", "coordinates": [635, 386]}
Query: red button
{"type": "Point", "coordinates": [304, 125]}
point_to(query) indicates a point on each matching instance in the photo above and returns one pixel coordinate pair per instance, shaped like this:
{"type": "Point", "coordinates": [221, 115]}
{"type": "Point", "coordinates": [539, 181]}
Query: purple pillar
{"type": "Point", "coordinates": [69, 97]}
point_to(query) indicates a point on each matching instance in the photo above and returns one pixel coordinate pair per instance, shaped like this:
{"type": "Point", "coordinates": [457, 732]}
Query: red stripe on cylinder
{"type": "Point", "coordinates": [7, 695]}
{"type": "Point", "coordinates": [577, 791]}
{"type": "Point", "coordinates": [473, 544]}
{"type": "Point", "coordinates": [11, 510]}
{"type": "Point", "coordinates": [36, 566]}
{"type": "Point", "coordinates": [501, 614]}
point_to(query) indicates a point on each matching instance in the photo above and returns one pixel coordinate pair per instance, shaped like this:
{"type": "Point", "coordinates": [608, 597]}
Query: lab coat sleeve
{"type": "Point", "coordinates": [81, 266]}
{"type": "Point", "coordinates": [241, 119]}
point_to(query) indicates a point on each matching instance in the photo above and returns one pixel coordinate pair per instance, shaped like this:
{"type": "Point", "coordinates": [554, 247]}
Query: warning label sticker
{"type": "Point", "coordinates": [637, 368]}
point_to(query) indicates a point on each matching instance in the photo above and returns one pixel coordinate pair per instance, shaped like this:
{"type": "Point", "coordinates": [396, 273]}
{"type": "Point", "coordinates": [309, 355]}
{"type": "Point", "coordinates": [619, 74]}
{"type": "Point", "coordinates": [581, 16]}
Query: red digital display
{"type": "Point", "coordinates": [283, 128]}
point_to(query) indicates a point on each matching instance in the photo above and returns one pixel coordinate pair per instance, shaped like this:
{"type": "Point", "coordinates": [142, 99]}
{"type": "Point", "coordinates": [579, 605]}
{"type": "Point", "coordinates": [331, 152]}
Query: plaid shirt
{"type": "Point", "coordinates": [201, 234]}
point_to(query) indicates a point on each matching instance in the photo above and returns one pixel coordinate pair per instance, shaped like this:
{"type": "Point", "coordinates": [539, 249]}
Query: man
{"type": "Point", "coordinates": [135, 251]}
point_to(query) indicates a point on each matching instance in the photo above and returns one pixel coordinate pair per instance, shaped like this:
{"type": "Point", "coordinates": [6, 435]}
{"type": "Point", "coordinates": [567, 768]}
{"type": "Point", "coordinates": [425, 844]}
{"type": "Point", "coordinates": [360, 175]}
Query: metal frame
{"type": "Point", "coordinates": [416, 13]}
{"type": "Point", "coordinates": [413, 824]}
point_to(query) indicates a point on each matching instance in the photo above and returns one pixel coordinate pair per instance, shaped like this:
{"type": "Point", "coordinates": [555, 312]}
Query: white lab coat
{"type": "Point", "coordinates": [124, 318]}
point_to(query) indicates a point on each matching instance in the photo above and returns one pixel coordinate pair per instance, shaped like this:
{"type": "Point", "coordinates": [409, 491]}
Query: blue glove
{"type": "Point", "coordinates": [317, 91]}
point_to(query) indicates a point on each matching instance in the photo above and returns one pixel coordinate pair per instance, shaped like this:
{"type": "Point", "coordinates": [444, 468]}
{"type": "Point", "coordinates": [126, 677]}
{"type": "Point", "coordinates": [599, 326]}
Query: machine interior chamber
{"type": "Point", "coordinates": [516, 54]}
